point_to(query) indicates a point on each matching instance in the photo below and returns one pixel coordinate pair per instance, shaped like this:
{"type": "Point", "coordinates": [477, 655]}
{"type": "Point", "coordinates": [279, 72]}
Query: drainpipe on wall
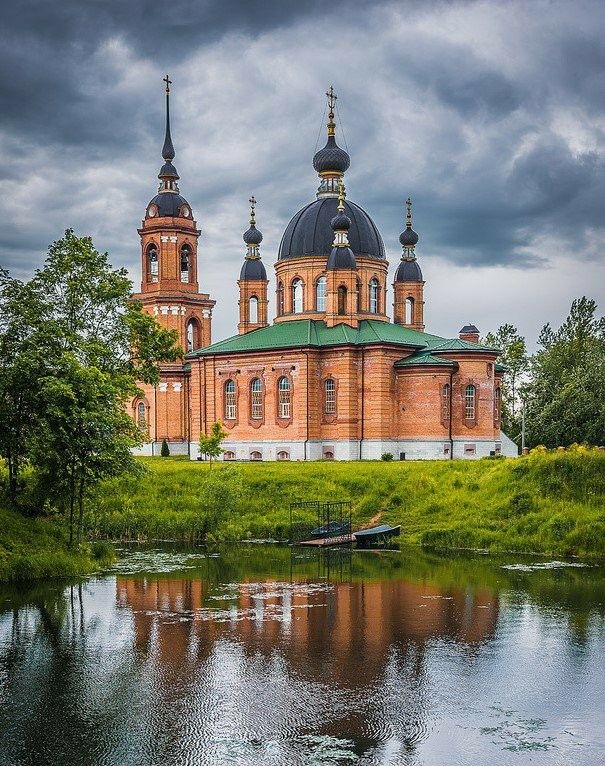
{"type": "Point", "coordinates": [307, 439]}
{"type": "Point", "coordinates": [362, 400]}
{"type": "Point", "coordinates": [450, 408]}
{"type": "Point", "coordinates": [155, 419]}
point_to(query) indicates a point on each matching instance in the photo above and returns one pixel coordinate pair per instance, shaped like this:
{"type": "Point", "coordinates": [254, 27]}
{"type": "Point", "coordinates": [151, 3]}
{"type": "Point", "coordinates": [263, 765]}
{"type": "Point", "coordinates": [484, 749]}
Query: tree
{"type": "Point", "coordinates": [165, 450]}
{"type": "Point", "coordinates": [76, 342]}
{"type": "Point", "coordinates": [514, 357]}
{"type": "Point", "coordinates": [565, 393]}
{"type": "Point", "coordinates": [211, 445]}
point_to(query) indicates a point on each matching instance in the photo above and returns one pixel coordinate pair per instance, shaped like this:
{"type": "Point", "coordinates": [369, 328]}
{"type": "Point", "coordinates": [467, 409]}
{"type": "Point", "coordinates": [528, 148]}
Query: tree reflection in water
{"type": "Point", "coordinates": [264, 654]}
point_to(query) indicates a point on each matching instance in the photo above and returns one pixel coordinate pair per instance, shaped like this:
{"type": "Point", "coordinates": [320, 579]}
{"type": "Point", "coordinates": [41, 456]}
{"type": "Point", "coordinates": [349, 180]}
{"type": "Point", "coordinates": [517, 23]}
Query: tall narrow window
{"type": "Point", "coordinates": [185, 263]}
{"type": "Point", "coordinates": [445, 402]}
{"type": "Point", "coordinates": [253, 310]}
{"type": "Point", "coordinates": [374, 296]}
{"type": "Point", "coordinates": [152, 262]}
{"type": "Point", "coordinates": [358, 297]}
{"type": "Point", "coordinates": [497, 403]}
{"type": "Point", "coordinates": [469, 402]}
{"type": "Point", "coordinates": [320, 294]}
{"type": "Point", "coordinates": [230, 404]}
{"type": "Point", "coordinates": [280, 299]}
{"type": "Point", "coordinates": [330, 397]}
{"type": "Point", "coordinates": [284, 396]}
{"type": "Point", "coordinates": [342, 300]}
{"type": "Point", "coordinates": [256, 399]}
{"type": "Point", "coordinates": [297, 296]}
{"type": "Point", "coordinates": [191, 339]}
{"type": "Point", "coordinates": [141, 415]}
{"type": "Point", "coordinates": [409, 311]}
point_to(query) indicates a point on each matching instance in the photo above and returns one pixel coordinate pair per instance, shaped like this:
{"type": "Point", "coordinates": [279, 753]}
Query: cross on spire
{"type": "Point", "coordinates": [252, 202]}
{"type": "Point", "coordinates": [341, 195]}
{"type": "Point", "coordinates": [168, 82]}
{"type": "Point", "coordinates": [332, 97]}
{"type": "Point", "coordinates": [408, 204]}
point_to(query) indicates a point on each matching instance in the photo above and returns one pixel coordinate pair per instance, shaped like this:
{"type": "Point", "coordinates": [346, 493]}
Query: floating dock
{"type": "Point", "coordinates": [325, 542]}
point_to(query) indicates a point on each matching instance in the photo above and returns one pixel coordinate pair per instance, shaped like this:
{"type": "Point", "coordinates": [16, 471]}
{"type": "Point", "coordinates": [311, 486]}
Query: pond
{"type": "Point", "coordinates": [264, 654]}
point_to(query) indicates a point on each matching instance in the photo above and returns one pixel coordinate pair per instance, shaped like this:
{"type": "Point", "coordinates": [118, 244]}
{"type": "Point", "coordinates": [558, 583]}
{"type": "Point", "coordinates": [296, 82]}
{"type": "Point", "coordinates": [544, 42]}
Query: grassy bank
{"type": "Point", "coordinates": [550, 502]}
{"type": "Point", "coordinates": [36, 549]}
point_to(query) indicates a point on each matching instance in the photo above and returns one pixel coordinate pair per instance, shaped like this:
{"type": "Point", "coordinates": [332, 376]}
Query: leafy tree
{"type": "Point", "coordinates": [73, 343]}
{"type": "Point", "coordinates": [515, 358]}
{"type": "Point", "coordinates": [165, 450]}
{"type": "Point", "coordinates": [565, 393]}
{"type": "Point", "coordinates": [211, 445]}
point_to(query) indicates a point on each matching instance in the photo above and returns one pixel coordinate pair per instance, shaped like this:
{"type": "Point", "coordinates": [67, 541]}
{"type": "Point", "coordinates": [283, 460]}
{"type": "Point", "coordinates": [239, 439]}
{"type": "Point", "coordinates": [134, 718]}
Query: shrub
{"type": "Point", "coordinates": [165, 451]}
{"type": "Point", "coordinates": [386, 456]}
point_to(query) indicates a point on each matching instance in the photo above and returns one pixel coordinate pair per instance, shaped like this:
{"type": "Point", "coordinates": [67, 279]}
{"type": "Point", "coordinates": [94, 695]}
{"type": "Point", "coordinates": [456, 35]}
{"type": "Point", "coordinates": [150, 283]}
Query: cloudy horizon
{"type": "Point", "coordinates": [489, 115]}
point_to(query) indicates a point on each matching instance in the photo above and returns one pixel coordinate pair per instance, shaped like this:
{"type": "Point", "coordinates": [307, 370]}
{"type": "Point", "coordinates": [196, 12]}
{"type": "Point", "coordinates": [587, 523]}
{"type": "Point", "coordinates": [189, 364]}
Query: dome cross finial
{"type": "Point", "coordinates": [342, 195]}
{"type": "Point", "coordinates": [252, 202]}
{"type": "Point", "coordinates": [168, 148]}
{"type": "Point", "coordinates": [408, 204]}
{"type": "Point", "coordinates": [332, 97]}
{"type": "Point", "coordinates": [168, 82]}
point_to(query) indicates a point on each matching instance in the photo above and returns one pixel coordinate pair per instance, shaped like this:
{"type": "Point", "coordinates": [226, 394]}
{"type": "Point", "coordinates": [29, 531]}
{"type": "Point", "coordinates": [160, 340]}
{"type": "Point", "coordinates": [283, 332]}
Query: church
{"type": "Point", "coordinates": [331, 377]}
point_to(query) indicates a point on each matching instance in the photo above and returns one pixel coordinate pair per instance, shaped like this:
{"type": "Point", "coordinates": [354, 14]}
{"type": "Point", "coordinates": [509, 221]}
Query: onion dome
{"type": "Point", "coordinates": [469, 329]}
{"type": "Point", "coordinates": [341, 256]}
{"type": "Point", "coordinates": [168, 202]}
{"type": "Point", "coordinates": [253, 268]}
{"type": "Point", "coordinates": [408, 269]}
{"type": "Point", "coordinates": [331, 159]}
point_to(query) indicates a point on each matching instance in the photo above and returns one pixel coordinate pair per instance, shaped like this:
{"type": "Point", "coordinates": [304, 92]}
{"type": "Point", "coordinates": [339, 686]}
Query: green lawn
{"type": "Point", "coordinates": [550, 502]}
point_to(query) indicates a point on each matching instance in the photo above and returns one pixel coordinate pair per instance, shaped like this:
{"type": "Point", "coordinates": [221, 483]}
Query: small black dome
{"type": "Point", "coordinates": [331, 157]}
{"type": "Point", "coordinates": [169, 204]}
{"type": "Point", "coordinates": [408, 238]}
{"type": "Point", "coordinates": [340, 222]}
{"type": "Point", "coordinates": [168, 171]}
{"type": "Point", "coordinates": [253, 236]}
{"type": "Point", "coordinates": [341, 258]}
{"type": "Point", "coordinates": [252, 269]}
{"type": "Point", "coordinates": [310, 232]}
{"type": "Point", "coordinates": [408, 271]}
{"type": "Point", "coordinates": [469, 328]}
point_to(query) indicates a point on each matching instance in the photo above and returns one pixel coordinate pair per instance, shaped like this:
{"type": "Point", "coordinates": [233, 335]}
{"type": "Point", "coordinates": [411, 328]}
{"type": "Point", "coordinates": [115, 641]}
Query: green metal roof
{"type": "Point", "coordinates": [421, 358]}
{"type": "Point", "coordinates": [314, 333]}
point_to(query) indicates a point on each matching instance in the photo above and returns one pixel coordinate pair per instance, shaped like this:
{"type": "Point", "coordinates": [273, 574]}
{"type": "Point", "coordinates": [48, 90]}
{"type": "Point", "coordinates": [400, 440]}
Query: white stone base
{"type": "Point", "coordinates": [369, 449]}
{"type": "Point", "coordinates": [149, 449]}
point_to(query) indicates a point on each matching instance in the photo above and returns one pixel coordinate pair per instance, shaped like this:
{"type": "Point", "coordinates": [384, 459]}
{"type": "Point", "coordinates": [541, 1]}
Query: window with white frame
{"type": "Point", "coordinates": [374, 296]}
{"type": "Point", "coordinates": [283, 455]}
{"type": "Point", "coordinates": [470, 449]}
{"type": "Point", "coordinates": [321, 292]}
{"type": "Point", "coordinates": [230, 403]}
{"type": "Point", "coordinates": [191, 328]}
{"type": "Point", "coordinates": [152, 262]}
{"type": "Point", "coordinates": [256, 399]}
{"type": "Point", "coordinates": [280, 299]}
{"type": "Point", "coordinates": [330, 397]}
{"type": "Point", "coordinates": [297, 296]}
{"type": "Point", "coordinates": [284, 397]}
{"type": "Point", "coordinates": [256, 455]}
{"type": "Point", "coordinates": [253, 309]}
{"type": "Point", "coordinates": [185, 263]}
{"type": "Point", "coordinates": [229, 455]}
{"type": "Point", "coordinates": [470, 407]}
{"type": "Point", "coordinates": [141, 415]}
{"type": "Point", "coordinates": [409, 310]}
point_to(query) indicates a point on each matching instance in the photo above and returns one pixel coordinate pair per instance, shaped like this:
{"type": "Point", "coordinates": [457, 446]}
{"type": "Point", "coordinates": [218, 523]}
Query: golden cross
{"type": "Point", "coordinates": [252, 202]}
{"type": "Point", "coordinates": [168, 82]}
{"type": "Point", "coordinates": [408, 203]}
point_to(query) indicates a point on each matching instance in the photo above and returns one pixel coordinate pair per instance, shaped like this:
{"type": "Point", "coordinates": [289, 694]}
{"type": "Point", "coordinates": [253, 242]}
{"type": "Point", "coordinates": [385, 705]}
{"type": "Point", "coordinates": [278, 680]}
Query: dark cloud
{"type": "Point", "coordinates": [489, 114]}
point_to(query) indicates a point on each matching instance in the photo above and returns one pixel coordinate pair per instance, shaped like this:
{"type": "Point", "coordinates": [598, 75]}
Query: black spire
{"type": "Point", "coordinates": [253, 236]}
{"type": "Point", "coordinates": [331, 159]}
{"type": "Point", "coordinates": [408, 269]}
{"type": "Point", "coordinates": [341, 256]}
{"type": "Point", "coordinates": [168, 171]}
{"type": "Point", "coordinates": [253, 268]}
{"type": "Point", "coordinates": [408, 238]}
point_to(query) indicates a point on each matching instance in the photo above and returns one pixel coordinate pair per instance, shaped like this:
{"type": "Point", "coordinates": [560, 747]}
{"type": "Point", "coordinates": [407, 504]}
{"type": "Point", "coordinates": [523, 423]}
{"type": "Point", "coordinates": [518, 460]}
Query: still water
{"type": "Point", "coordinates": [261, 654]}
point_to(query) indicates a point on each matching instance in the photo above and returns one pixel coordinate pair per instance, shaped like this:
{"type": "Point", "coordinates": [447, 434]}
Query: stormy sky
{"type": "Point", "coordinates": [489, 114]}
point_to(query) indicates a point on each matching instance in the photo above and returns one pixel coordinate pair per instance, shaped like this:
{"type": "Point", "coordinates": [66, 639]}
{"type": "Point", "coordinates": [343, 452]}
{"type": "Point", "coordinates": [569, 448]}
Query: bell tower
{"type": "Point", "coordinates": [252, 280]}
{"type": "Point", "coordinates": [409, 284]}
{"type": "Point", "coordinates": [169, 246]}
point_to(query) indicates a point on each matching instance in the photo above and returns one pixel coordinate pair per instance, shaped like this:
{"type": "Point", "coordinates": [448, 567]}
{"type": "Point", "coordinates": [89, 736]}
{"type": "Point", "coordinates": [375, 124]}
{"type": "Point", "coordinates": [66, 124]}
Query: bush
{"type": "Point", "coordinates": [165, 451]}
{"type": "Point", "coordinates": [386, 456]}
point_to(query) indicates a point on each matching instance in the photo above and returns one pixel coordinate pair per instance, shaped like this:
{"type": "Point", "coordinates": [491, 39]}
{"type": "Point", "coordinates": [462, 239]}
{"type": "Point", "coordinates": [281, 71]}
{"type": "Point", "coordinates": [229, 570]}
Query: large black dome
{"type": "Point", "coordinates": [310, 231]}
{"type": "Point", "coordinates": [169, 204]}
{"type": "Point", "coordinates": [252, 269]}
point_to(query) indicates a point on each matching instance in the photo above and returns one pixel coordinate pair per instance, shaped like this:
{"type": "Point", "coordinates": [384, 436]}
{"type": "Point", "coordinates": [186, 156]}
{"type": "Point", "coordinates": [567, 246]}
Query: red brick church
{"type": "Point", "coordinates": [332, 377]}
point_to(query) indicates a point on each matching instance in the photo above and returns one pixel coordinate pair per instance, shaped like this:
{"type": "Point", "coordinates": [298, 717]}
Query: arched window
{"type": "Point", "coordinates": [256, 399]}
{"type": "Point", "coordinates": [230, 403]}
{"type": "Point", "coordinates": [253, 309]}
{"type": "Point", "coordinates": [497, 403]}
{"type": "Point", "coordinates": [374, 296]}
{"type": "Point", "coordinates": [284, 398]}
{"type": "Point", "coordinates": [192, 336]}
{"type": "Point", "coordinates": [297, 296]}
{"type": "Point", "coordinates": [280, 299]}
{"type": "Point", "coordinates": [256, 455]}
{"type": "Point", "coordinates": [283, 455]}
{"type": "Point", "coordinates": [185, 262]}
{"type": "Point", "coordinates": [330, 397]}
{"type": "Point", "coordinates": [358, 297]}
{"type": "Point", "coordinates": [469, 402]}
{"type": "Point", "coordinates": [342, 300]}
{"type": "Point", "coordinates": [409, 311]}
{"type": "Point", "coordinates": [141, 415]}
{"type": "Point", "coordinates": [152, 262]}
{"type": "Point", "coordinates": [328, 455]}
{"type": "Point", "coordinates": [445, 402]}
{"type": "Point", "coordinates": [321, 292]}
{"type": "Point", "coordinates": [229, 455]}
